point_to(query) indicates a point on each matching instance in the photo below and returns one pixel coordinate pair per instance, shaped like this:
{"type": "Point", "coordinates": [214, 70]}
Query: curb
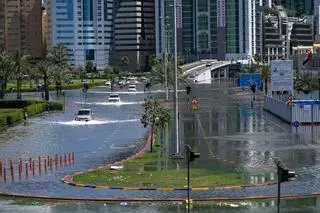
{"type": "Point", "coordinates": [158, 200]}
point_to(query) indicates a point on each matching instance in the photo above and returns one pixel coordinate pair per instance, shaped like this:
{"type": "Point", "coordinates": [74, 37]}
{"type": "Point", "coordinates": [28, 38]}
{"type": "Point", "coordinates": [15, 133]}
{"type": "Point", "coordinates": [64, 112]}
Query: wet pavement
{"type": "Point", "coordinates": [227, 130]}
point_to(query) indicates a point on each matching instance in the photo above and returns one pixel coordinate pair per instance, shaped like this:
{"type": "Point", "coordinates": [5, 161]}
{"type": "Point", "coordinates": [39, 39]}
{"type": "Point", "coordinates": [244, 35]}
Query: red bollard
{"type": "Point", "coordinates": [30, 163]}
{"type": "Point", "coordinates": [50, 162]}
{"type": "Point", "coordinates": [65, 159]}
{"type": "Point", "coordinates": [39, 165]}
{"type": "Point", "coordinates": [56, 161]}
{"type": "Point", "coordinates": [69, 159]}
{"type": "Point", "coordinates": [45, 165]}
{"type": "Point", "coordinates": [4, 174]}
{"type": "Point", "coordinates": [73, 157]}
{"type": "Point", "coordinates": [20, 168]}
{"type": "Point", "coordinates": [27, 173]}
{"type": "Point", "coordinates": [11, 168]}
{"type": "Point", "coordinates": [60, 160]}
{"type": "Point", "coordinates": [33, 169]}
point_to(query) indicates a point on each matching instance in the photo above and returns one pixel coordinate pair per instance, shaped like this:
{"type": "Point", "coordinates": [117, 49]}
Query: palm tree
{"type": "Point", "coordinates": [6, 66]}
{"type": "Point", "coordinates": [265, 73]}
{"type": "Point", "coordinates": [58, 56]}
{"type": "Point", "coordinates": [162, 70]}
{"type": "Point", "coordinates": [45, 70]}
{"type": "Point", "coordinates": [124, 62]}
{"type": "Point", "coordinates": [20, 65]}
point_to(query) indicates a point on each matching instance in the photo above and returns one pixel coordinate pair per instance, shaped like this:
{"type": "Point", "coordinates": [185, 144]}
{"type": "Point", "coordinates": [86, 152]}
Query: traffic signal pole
{"type": "Point", "coordinates": [279, 187]}
{"type": "Point", "coordinates": [188, 164]}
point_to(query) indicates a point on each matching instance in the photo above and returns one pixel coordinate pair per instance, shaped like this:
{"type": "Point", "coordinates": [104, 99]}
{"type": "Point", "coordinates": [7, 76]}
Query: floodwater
{"type": "Point", "coordinates": [309, 205]}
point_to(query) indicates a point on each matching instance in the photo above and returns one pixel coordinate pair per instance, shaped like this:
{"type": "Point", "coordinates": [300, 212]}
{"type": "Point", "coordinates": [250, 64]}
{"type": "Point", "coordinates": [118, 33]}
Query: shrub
{"type": "Point", "coordinates": [14, 116]}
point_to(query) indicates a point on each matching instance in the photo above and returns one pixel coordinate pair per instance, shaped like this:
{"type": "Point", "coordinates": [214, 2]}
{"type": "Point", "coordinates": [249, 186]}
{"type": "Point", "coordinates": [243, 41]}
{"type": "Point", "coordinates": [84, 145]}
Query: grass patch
{"type": "Point", "coordinates": [149, 171]}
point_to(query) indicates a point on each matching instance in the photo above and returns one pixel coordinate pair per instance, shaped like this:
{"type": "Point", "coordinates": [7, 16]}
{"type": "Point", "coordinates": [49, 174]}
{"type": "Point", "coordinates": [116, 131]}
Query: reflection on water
{"type": "Point", "coordinates": [306, 205]}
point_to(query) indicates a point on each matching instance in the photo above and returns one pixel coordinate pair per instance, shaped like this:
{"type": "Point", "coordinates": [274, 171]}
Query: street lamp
{"type": "Point", "coordinates": [191, 156]}
{"type": "Point", "coordinates": [176, 115]}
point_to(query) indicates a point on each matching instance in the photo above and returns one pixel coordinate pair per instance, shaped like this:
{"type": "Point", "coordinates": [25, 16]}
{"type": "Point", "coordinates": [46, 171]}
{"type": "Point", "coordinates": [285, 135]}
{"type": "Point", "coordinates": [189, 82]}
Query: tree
{"type": "Point", "coordinates": [257, 58]}
{"type": "Point", "coordinates": [89, 67]}
{"type": "Point", "coordinates": [6, 67]}
{"type": "Point", "coordinates": [111, 74]}
{"type": "Point", "coordinates": [20, 65]}
{"type": "Point", "coordinates": [45, 70]}
{"type": "Point", "coordinates": [305, 83]}
{"type": "Point", "coordinates": [155, 116]}
{"type": "Point", "coordinates": [124, 62]}
{"type": "Point", "coordinates": [266, 75]}
{"type": "Point", "coordinates": [58, 57]}
{"type": "Point", "coordinates": [162, 67]}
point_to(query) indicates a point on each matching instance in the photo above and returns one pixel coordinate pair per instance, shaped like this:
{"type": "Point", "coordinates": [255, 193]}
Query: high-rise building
{"type": "Point", "coordinates": [300, 6]}
{"type": "Point", "coordinates": [44, 30]}
{"type": "Point", "coordinates": [85, 27]}
{"type": "Point", "coordinates": [2, 26]}
{"type": "Point", "coordinates": [20, 27]}
{"type": "Point", "coordinates": [219, 29]}
{"type": "Point", "coordinates": [165, 26]}
{"type": "Point", "coordinates": [134, 32]}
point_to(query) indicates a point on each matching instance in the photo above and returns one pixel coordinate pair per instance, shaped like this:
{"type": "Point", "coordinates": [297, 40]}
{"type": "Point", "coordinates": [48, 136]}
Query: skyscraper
{"type": "Point", "coordinates": [300, 6]}
{"type": "Point", "coordinates": [20, 27]}
{"type": "Point", "coordinates": [85, 27]}
{"type": "Point", "coordinates": [134, 32]}
{"type": "Point", "coordinates": [223, 29]}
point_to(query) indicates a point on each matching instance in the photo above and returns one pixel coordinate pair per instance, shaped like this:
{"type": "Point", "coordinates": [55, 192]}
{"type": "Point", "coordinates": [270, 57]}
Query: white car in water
{"type": "Point", "coordinates": [132, 88]}
{"type": "Point", "coordinates": [114, 98]}
{"type": "Point", "coordinates": [84, 115]}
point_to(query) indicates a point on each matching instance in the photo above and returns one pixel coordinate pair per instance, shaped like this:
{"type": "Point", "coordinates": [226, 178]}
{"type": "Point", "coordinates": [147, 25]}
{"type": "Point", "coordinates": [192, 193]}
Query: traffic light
{"type": "Point", "coordinates": [188, 88]}
{"type": "Point", "coordinates": [286, 174]}
{"type": "Point", "coordinates": [193, 155]}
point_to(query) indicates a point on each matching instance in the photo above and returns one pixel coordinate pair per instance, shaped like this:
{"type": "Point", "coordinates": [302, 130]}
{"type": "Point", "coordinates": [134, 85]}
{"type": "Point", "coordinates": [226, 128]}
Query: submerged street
{"type": "Point", "coordinates": [227, 131]}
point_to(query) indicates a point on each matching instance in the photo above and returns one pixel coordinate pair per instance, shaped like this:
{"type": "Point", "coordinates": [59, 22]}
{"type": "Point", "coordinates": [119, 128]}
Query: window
{"type": "Point", "coordinates": [90, 55]}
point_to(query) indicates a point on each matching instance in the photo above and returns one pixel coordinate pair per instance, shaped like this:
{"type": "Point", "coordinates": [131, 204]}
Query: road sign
{"type": "Point", "coordinates": [194, 100]}
{"type": "Point", "coordinates": [194, 104]}
{"type": "Point", "coordinates": [296, 124]}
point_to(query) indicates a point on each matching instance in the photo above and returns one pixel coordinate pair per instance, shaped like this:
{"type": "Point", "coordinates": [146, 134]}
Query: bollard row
{"type": "Point", "coordinates": [30, 165]}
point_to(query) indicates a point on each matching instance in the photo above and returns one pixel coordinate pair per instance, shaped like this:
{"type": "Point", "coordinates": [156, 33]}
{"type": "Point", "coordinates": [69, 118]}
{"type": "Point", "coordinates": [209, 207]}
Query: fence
{"type": "Point", "coordinates": [304, 111]}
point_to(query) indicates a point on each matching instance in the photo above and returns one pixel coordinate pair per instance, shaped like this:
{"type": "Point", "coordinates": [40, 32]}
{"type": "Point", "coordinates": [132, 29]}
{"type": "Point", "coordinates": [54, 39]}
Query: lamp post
{"type": "Point", "coordinates": [176, 116]}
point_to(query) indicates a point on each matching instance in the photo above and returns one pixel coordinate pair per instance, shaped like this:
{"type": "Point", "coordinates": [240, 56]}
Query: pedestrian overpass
{"type": "Point", "coordinates": [206, 70]}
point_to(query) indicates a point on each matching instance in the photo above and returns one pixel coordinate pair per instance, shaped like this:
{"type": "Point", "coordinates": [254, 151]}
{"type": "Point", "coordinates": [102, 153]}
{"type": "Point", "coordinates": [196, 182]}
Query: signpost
{"type": "Point", "coordinates": [282, 75]}
{"type": "Point", "coordinates": [249, 79]}
{"type": "Point", "coordinates": [194, 104]}
{"type": "Point", "coordinates": [296, 124]}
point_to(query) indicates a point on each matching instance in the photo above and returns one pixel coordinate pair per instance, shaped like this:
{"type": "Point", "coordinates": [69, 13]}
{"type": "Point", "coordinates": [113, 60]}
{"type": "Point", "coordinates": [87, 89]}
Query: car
{"type": "Point", "coordinates": [191, 78]}
{"type": "Point", "coordinates": [208, 64]}
{"type": "Point", "coordinates": [143, 79]}
{"type": "Point", "coordinates": [131, 80]}
{"type": "Point", "coordinates": [108, 84]}
{"type": "Point", "coordinates": [84, 115]}
{"type": "Point", "coordinates": [114, 98]}
{"type": "Point", "coordinates": [132, 88]}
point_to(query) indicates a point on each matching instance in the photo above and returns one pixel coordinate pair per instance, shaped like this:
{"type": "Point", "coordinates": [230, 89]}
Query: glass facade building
{"type": "Point", "coordinates": [85, 27]}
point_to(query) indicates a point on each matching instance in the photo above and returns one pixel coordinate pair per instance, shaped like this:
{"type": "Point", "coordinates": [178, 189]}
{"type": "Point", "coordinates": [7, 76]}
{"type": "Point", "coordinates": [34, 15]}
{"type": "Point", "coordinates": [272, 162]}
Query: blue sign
{"type": "Point", "coordinates": [296, 124]}
{"type": "Point", "coordinates": [248, 79]}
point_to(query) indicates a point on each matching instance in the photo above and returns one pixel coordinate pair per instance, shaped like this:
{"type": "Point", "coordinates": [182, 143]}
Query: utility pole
{"type": "Point", "coordinates": [176, 115]}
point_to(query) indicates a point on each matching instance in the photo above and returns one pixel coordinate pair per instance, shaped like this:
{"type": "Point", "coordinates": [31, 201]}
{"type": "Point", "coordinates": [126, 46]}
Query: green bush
{"type": "Point", "coordinates": [14, 116]}
{"type": "Point", "coordinates": [32, 107]}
